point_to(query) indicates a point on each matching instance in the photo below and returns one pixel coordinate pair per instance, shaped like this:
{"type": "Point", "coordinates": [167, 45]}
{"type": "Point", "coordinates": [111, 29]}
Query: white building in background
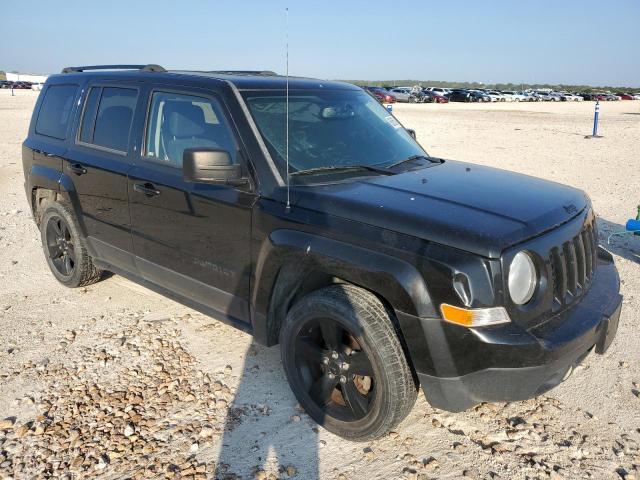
{"type": "Point", "coordinates": [26, 77]}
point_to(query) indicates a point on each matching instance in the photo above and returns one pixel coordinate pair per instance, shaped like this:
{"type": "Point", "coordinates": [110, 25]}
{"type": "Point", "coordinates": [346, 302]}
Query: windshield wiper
{"type": "Point", "coordinates": [333, 168]}
{"type": "Point", "coordinates": [413, 158]}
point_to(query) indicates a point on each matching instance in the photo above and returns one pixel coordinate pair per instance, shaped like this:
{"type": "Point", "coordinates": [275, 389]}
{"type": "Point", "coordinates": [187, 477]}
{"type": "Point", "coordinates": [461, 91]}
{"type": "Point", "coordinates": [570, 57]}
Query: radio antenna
{"type": "Point", "coordinates": [288, 208]}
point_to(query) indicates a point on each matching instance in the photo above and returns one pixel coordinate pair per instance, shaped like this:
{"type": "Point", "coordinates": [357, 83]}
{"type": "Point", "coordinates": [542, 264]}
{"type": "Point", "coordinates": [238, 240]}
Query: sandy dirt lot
{"type": "Point", "coordinates": [114, 381]}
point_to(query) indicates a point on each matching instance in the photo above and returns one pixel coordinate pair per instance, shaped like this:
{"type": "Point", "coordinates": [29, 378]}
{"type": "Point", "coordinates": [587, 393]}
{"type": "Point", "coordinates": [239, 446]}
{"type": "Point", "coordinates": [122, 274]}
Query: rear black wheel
{"type": "Point", "coordinates": [345, 364]}
{"type": "Point", "coordinates": [65, 248]}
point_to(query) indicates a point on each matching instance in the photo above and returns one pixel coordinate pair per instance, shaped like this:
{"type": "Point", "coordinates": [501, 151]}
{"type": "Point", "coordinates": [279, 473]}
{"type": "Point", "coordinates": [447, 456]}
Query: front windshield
{"type": "Point", "coordinates": [329, 128]}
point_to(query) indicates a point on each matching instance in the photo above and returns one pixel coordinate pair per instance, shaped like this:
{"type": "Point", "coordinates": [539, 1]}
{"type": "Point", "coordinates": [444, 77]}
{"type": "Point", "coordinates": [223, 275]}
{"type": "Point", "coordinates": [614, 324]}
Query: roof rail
{"type": "Point", "coordinates": [243, 72]}
{"type": "Point", "coordinates": [144, 68]}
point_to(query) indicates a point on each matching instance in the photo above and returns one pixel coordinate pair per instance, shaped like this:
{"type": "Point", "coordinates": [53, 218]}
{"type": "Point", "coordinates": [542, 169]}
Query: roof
{"type": "Point", "coordinates": [243, 80]}
{"type": "Point", "coordinates": [263, 81]}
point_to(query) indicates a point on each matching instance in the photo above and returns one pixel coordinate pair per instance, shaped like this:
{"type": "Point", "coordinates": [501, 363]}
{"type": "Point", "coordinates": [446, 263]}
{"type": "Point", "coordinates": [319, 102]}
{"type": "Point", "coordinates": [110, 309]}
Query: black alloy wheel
{"type": "Point", "coordinates": [60, 246]}
{"type": "Point", "coordinates": [334, 370]}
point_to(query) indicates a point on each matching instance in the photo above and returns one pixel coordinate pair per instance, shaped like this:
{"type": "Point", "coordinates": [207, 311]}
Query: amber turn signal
{"type": "Point", "coordinates": [474, 317]}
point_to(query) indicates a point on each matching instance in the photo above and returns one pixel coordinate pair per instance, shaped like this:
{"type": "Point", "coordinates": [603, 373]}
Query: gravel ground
{"type": "Point", "coordinates": [114, 381]}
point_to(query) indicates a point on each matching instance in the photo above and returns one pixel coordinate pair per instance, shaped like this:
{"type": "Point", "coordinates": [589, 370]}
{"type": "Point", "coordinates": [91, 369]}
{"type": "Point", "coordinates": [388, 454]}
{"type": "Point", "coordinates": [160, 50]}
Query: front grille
{"type": "Point", "coordinates": [573, 265]}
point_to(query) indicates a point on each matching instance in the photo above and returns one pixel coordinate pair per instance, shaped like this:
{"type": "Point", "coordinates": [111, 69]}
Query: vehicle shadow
{"type": "Point", "coordinates": [264, 430]}
{"type": "Point", "coordinates": [626, 246]}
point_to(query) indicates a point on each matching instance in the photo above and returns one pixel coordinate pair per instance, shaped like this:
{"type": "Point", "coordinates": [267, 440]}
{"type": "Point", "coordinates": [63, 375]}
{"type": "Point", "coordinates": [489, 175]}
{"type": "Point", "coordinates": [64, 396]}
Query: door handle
{"type": "Point", "coordinates": [147, 189]}
{"type": "Point", "coordinates": [77, 169]}
{"type": "Point", "coordinates": [42, 152]}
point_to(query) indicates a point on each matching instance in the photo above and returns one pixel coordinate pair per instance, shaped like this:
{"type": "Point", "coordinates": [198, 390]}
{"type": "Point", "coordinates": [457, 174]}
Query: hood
{"type": "Point", "coordinates": [478, 209]}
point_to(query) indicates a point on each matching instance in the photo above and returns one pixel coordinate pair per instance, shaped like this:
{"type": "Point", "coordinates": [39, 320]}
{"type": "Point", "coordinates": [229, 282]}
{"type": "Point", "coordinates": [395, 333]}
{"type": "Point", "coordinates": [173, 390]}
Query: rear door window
{"type": "Point", "coordinates": [55, 112]}
{"type": "Point", "coordinates": [110, 125]}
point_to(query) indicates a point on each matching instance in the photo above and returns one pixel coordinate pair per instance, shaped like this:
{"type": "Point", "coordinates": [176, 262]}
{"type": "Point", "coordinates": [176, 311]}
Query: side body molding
{"type": "Point", "coordinates": [287, 257]}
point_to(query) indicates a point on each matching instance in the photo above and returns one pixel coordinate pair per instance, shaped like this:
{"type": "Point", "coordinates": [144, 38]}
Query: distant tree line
{"type": "Point", "coordinates": [496, 86]}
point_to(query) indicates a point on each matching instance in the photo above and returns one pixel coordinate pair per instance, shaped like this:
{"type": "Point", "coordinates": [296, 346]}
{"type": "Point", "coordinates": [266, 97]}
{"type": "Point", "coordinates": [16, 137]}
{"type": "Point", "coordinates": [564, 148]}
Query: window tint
{"type": "Point", "coordinates": [177, 122]}
{"type": "Point", "coordinates": [115, 114]}
{"type": "Point", "coordinates": [55, 111]}
{"type": "Point", "coordinates": [89, 115]}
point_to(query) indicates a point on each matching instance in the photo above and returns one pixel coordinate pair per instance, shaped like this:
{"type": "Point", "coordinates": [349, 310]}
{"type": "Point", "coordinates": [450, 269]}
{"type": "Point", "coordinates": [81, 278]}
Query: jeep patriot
{"type": "Point", "coordinates": [314, 220]}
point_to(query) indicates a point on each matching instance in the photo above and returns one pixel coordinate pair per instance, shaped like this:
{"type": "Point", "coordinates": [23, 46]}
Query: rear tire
{"type": "Point", "coordinates": [356, 383]}
{"type": "Point", "coordinates": [65, 248]}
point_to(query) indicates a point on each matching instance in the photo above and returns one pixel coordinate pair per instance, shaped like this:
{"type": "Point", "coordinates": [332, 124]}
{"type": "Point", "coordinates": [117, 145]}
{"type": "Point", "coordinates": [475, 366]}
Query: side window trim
{"type": "Point", "coordinates": [209, 96]}
{"type": "Point", "coordinates": [102, 86]}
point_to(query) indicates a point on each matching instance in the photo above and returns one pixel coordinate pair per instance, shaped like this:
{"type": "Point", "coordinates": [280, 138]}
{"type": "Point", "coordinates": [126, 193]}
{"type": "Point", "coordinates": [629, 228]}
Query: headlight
{"type": "Point", "coordinates": [522, 278]}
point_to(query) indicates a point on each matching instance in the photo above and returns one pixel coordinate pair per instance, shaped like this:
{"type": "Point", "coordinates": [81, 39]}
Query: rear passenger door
{"type": "Point", "coordinates": [192, 239]}
{"type": "Point", "coordinates": [98, 166]}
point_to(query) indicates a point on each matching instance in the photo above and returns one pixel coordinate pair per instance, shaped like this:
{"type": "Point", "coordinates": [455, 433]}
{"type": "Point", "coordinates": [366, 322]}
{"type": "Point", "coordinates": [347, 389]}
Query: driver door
{"type": "Point", "coordinates": [192, 239]}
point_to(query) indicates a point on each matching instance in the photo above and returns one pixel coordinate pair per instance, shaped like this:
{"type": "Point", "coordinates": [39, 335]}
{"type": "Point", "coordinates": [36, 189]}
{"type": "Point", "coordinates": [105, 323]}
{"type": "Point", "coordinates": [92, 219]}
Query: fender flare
{"type": "Point", "coordinates": [48, 178]}
{"type": "Point", "coordinates": [287, 257]}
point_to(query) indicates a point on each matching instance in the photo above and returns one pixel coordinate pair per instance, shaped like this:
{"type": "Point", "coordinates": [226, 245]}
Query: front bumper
{"type": "Point", "coordinates": [460, 367]}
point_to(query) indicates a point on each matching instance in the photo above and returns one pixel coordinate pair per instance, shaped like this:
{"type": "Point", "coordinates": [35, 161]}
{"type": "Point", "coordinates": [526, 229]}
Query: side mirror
{"type": "Point", "coordinates": [412, 132]}
{"type": "Point", "coordinates": [210, 165]}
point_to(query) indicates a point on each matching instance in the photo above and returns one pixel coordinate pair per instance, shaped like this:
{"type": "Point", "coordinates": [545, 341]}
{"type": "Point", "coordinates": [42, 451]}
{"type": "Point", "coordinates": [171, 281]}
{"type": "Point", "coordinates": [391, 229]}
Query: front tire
{"type": "Point", "coordinates": [65, 249]}
{"type": "Point", "coordinates": [345, 363]}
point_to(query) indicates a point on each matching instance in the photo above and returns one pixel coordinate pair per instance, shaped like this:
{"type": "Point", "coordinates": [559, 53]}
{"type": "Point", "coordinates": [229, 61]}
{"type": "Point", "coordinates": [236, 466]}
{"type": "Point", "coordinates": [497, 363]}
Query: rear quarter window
{"type": "Point", "coordinates": [55, 112]}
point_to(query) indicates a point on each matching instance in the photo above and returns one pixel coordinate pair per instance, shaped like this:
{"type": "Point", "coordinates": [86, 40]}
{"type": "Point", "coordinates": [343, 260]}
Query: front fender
{"type": "Point", "coordinates": [286, 256]}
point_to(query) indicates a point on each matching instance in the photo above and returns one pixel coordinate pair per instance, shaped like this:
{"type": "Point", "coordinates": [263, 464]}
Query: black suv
{"type": "Point", "coordinates": [301, 211]}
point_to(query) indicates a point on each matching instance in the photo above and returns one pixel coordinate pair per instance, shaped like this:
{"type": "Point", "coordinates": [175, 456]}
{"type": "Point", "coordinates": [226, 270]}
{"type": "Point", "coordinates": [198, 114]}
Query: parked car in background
{"type": "Point", "coordinates": [544, 96]}
{"type": "Point", "coordinates": [382, 94]}
{"type": "Point", "coordinates": [430, 97]}
{"type": "Point", "coordinates": [404, 94]}
{"type": "Point", "coordinates": [459, 95]}
{"type": "Point", "coordinates": [439, 91]}
{"type": "Point", "coordinates": [573, 97]}
{"type": "Point", "coordinates": [528, 97]}
{"type": "Point", "coordinates": [515, 96]}
{"type": "Point", "coordinates": [625, 96]}
{"type": "Point", "coordinates": [495, 96]}
{"type": "Point", "coordinates": [478, 96]}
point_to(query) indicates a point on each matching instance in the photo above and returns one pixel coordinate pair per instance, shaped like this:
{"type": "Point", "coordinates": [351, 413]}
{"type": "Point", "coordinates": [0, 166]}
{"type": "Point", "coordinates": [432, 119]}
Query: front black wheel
{"type": "Point", "coordinates": [345, 363]}
{"type": "Point", "coordinates": [65, 248]}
